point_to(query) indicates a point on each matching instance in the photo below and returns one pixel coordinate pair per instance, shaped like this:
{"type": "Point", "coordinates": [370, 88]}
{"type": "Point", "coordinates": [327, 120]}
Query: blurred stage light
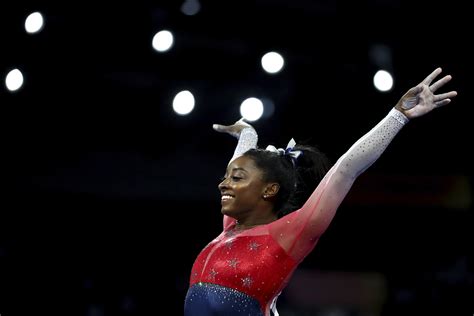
{"type": "Point", "coordinates": [183, 102]}
{"type": "Point", "coordinates": [190, 7]}
{"type": "Point", "coordinates": [14, 80]}
{"type": "Point", "coordinates": [163, 41]}
{"type": "Point", "coordinates": [383, 81]}
{"type": "Point", "coordinates": [251, 109]}
{"type": "Point", "coordinates": [272, 62]}
{"type": "Point", "coordinates": [34, 23]}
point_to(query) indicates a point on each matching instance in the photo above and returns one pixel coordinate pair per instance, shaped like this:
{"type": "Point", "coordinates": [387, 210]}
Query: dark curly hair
{"type": "Point", "coordinates": [297, 180]}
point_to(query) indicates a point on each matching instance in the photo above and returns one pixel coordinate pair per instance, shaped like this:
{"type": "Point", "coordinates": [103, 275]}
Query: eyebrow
{"type": "Point", "coordinates": [237, 169]}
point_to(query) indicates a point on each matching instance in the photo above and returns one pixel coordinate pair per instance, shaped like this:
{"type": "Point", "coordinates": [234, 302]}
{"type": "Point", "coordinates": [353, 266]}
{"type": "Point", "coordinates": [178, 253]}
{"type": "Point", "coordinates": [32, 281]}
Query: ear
{"type": "Point", "coordinates": [271, 190]}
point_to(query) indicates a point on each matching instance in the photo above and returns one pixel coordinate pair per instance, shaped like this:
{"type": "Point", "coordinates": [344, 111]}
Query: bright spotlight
{"type": "Point", "coordinates": [383, 81]}
{"type": "Point", "coordinates": [162, 41]}
{"type": "Point", "coordinates": [14, 80]}
{"type": "Point", "coordinates": [251, 109]}
{"type": "Point", "coordinates": [183, 102]}
{"type": "Point", "coordinates": [272, 62]}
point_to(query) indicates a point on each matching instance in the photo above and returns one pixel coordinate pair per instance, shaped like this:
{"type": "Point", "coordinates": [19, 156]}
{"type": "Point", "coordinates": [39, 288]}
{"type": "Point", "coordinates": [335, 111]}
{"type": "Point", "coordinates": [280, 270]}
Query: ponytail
{"type": "Point", "coordinates": [297, 177]}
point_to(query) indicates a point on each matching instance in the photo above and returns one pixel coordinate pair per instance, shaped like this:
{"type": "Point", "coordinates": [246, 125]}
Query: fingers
{"type": "Point", "coordinates": [242, 122]}
{"type": "Point", "coordinates": [227, 128]}
{"type": "Point", "coordinates": [431, 76]}
{"type": "Point", "coordinates": [442, 102]}
{"type": "Point", "coordinates": [234, 129]}
{"type": "Point", "coordinates": [441, 82]}
{"type": "Point", "coordinates": [220, 128]}
{"type": "Point", "coordinates": [446, 95]}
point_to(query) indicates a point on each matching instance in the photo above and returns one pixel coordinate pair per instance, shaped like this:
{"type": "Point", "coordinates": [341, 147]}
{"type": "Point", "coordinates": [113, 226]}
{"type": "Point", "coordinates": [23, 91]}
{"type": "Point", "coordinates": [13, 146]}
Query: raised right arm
{"type": "Point", "coordinates": [244, 132]}
{"type": "Point", "coordinates": [247, 139]}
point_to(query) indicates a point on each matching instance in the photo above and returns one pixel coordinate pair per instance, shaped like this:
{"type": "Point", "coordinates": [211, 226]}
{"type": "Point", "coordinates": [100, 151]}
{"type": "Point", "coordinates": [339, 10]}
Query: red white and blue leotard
{"type": "Point", "coordinates": [243, 272]}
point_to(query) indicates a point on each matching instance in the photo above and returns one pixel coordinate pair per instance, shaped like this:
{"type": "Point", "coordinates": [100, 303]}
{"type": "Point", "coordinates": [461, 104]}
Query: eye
{"type": "Point", "coordinates": [233, 178]}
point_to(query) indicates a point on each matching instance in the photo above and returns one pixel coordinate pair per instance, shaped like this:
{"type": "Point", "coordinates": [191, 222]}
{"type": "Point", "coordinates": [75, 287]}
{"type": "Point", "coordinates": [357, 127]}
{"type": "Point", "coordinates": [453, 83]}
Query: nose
{"type": "Point", "coordinates": [224, 184]}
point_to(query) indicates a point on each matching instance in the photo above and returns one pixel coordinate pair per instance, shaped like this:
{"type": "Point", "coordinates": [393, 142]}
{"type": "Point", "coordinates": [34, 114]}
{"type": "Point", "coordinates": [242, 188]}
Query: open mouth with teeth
{"type": "Point", "coordinates": [226, 197]}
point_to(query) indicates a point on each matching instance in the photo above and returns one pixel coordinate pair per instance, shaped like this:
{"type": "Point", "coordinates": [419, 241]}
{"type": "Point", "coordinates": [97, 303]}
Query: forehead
{"type": "Point", "coordinates": [243, 163]}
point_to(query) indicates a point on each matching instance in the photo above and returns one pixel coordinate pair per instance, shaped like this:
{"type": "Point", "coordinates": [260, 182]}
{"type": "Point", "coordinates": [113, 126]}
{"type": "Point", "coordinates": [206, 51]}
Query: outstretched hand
{"type": "Point", "coordinates": [421, 99]}
{"type": "Point", "coordinates": [234, 129]}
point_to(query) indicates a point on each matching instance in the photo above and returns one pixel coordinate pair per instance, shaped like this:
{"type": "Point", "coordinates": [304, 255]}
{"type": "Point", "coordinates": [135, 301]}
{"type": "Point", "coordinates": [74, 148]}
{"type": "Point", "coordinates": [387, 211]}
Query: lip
{"type": "Point", "coordinates": [226, 198]}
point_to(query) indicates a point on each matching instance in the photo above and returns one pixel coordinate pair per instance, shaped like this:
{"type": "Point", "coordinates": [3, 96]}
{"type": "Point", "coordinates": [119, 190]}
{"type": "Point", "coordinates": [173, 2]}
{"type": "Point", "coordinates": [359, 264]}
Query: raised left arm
{"type": "Point", "coordinates": [299, 231]}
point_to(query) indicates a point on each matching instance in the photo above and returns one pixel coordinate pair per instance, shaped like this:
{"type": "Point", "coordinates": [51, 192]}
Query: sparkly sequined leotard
{"type": "Point", "coordinates": [243, 272]}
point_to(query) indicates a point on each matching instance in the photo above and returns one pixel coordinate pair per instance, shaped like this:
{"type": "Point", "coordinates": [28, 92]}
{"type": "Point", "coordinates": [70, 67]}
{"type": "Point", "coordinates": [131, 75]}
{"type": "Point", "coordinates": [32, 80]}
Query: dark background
{"type": "Point", "coordinates": [109, 196]}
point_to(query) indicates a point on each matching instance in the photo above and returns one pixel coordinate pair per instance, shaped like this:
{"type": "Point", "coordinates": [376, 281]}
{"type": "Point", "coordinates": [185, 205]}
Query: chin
{"type": "Point", "coordinates": [226, 212]}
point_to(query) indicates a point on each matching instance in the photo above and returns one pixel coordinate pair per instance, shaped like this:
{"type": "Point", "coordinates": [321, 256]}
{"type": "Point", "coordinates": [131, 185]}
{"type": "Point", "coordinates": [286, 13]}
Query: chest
{"type": "Point", "coordinates": [246, 262]}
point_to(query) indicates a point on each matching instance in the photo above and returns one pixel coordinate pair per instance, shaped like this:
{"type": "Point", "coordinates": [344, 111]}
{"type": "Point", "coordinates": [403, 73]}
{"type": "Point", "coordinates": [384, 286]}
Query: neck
{"type": "Point", "coordinates": [241, 225]}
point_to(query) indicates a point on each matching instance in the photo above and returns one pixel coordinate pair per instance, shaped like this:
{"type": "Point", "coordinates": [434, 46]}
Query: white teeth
{"type": "Point", "coordinates": [226, 197]}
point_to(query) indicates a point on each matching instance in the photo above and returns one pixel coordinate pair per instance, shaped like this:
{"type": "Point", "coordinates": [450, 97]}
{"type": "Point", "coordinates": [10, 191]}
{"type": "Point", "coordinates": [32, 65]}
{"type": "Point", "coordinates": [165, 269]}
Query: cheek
{"type": "Point", "coordinates": [250, 191]}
